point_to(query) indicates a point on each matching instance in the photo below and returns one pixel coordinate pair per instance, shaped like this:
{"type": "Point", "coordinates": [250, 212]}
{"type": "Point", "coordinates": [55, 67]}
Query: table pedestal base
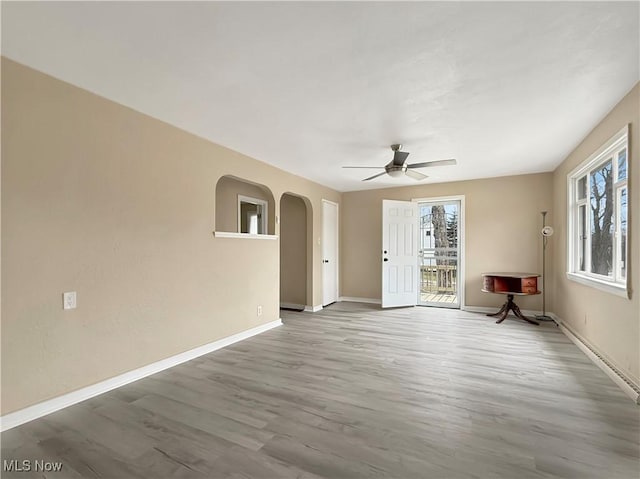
{"type": "Point", "coordinates": [509, 305]}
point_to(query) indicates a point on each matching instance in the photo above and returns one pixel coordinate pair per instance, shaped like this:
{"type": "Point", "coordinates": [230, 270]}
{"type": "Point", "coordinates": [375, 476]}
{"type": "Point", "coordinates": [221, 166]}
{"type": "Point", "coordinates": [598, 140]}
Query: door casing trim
{"type": "Point", "coordinates": [461, 219]}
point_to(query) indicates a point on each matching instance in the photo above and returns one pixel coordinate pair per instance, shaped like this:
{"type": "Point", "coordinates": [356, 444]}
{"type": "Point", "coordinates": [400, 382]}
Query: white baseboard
{"type": "Point", "coordinates": [292, 306]}
{"type": "Point", "coordinates": [354, 299]}
{"type": "Point", "coordinates": [628, 386]}
{"type": "Point", "coordinates": [313, 309]}
{"type": "Point", "coordinates": [30, 413]}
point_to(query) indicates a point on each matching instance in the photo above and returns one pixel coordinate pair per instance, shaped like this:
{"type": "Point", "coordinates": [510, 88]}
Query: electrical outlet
{"type": "Point", "coordinates": [259, 311]}
{"type": "Point", "coordinates": [69, 300]}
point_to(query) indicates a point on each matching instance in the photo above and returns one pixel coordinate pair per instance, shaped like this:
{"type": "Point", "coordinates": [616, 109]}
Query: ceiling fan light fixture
{"type": "Point", "coordinates": [398, 166]}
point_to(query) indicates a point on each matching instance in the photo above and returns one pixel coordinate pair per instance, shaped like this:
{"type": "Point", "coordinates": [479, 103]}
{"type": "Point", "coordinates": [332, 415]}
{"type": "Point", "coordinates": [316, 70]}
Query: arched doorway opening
{"type": "Point", "coordinates": [295, 252]}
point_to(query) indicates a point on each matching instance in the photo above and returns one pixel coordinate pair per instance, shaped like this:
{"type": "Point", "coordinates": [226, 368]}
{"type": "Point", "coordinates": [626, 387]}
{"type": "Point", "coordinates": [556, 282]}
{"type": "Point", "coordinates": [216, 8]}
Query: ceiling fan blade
{"type": "Point", "coordinates": [433, 163]}
{"type": "Point", "coordinates": [399, 157]}
{"type": "Point", "coordinates": [366, 167]}
{"type": "Point", "coordinates": [416, 175]}
{"type": "Point", "coordinates": [375, 176]}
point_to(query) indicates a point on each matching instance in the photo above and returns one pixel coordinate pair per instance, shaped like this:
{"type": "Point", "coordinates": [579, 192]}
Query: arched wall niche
{"type": "Point", "coordinates": [228, 189]}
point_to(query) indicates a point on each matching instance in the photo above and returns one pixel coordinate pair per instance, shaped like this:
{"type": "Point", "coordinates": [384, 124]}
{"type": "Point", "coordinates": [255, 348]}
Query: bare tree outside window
{"type": "Point", "coordinates": [602, 220]}
{"type": "Point", "coordinates": [439, 233]}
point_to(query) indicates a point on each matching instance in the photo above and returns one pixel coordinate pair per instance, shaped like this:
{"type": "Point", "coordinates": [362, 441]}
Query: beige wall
{"type": "Point", "coordinates": [608, 322]}
{"type": "Point", "coordinates": [118, 206]}
{"type": "Point", "coordinates": [227, 191]}
{"type": "Point", "coordinates": [293, 250]}
{"type": "Point", "coordinates": [502, 223]}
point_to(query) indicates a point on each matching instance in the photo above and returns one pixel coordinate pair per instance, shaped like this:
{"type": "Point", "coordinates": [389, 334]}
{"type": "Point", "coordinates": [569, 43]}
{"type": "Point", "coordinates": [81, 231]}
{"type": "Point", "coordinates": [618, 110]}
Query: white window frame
{"type": "Point", "coordinates": [614, 284]}
{"type": "Point", "coordinates": [264, 217]}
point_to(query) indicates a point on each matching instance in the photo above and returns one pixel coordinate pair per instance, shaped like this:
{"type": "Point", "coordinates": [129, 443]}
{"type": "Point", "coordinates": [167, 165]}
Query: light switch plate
{"type": "Point", "coordinates": [69, 300]}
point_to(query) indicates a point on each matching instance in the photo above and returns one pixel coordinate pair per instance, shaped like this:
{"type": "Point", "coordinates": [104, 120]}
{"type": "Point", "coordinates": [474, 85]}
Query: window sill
{"type": "Point", "coordinates": [617, 289]}
{"type": "Point", "coordinates": [228, 234]}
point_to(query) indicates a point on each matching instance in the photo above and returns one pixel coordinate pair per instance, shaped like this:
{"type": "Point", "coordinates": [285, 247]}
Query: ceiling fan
{"type": "Point", "coordinates": [398, 166]}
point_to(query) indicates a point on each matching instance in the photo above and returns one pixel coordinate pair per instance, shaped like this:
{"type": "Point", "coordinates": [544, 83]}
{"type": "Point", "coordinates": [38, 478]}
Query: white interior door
{"type": "Point", "coordinates": [399, 253]}
{"type": "Point", "coordinates": [329, 252]}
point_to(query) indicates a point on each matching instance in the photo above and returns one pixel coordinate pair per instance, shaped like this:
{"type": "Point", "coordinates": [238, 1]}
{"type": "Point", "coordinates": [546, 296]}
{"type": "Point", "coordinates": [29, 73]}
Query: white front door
{"type": "Point", "coordinates": [399, 253]}
{"type": "Point", "coordinates": [329, 252]}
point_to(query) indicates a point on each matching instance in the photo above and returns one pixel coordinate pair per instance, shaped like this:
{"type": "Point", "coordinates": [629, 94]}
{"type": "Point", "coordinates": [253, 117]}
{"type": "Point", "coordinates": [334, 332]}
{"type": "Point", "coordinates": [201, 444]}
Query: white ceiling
{"type": "Point", "coordinates": [506, 88]}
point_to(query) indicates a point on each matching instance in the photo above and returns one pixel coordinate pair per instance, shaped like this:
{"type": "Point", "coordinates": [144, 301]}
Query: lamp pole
{"type": "Point", "coordinates": [543, 316]}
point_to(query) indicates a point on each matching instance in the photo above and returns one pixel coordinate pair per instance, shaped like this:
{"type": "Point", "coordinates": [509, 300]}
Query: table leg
{"type": "Point", "coordinates": [518, 313]}
{"type": "Point", "coordinates": [502, 310]}
{"type": "Point", "coordinates": [504, 315]}
{"type": "Point", "coordinates": [510, 305]}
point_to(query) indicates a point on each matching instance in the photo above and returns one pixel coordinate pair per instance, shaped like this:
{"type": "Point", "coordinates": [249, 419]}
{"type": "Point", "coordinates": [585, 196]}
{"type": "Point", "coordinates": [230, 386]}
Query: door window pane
{"type": "Point", "coordinates": [601, 196]}
{"type": "Point", "coordinates": [439, 243]}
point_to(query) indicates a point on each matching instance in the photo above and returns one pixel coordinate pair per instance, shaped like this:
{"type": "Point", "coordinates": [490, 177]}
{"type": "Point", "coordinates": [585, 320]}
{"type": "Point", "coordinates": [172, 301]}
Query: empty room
{"type": "Point", "coordinates": [320, 240]}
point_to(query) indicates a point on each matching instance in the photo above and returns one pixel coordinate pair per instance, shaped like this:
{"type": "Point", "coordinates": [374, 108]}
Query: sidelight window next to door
{"type": "Point", "coordinates": [439, 253]}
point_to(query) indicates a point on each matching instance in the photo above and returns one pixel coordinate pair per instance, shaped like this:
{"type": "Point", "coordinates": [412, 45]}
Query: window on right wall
{"type": "Point", "coordinates": [597, 217]}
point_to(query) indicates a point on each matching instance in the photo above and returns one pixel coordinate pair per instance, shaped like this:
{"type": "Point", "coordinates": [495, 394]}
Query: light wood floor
{"type": "Point", "coordinates": [354, 391]}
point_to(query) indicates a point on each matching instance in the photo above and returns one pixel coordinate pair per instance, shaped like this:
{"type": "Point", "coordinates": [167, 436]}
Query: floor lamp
{"type": "Point", "coordinates": [546, 232]}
